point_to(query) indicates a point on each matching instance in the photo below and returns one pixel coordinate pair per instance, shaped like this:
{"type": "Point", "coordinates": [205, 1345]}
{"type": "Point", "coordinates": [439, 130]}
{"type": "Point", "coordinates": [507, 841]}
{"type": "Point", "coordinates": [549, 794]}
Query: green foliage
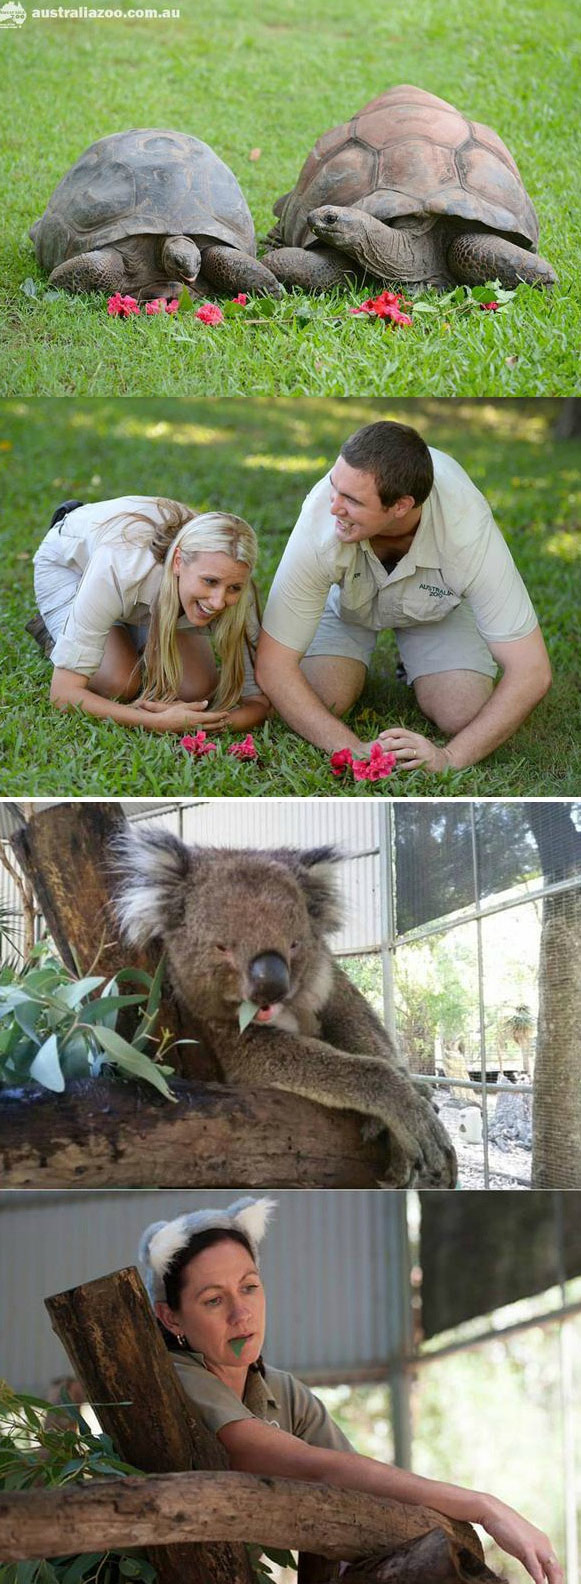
{"type": "Point", "coordinates": [39, 1447]}
{"type": "Point", "coordinates": [274, 77]}
{"type": "Point", "coordinates": [53, 1027]}
{"type": "Point", "coordinates": [260, 459]}
{"type": "Point", "coordinates": [260, 1568]}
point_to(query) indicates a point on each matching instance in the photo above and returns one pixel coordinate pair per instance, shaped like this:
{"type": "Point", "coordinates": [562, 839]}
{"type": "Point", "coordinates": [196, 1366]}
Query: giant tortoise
{"type": "Point", "coordinates": [144, 212]}
{"type": "Point", "coordinates": [411, 191]}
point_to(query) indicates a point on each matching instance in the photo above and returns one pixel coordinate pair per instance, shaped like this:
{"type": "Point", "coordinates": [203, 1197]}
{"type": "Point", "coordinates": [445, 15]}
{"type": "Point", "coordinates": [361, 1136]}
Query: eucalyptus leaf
{"type": "Point", "coordinates": [73, 993]}
{"type": "Point", "coordinates": [130, 1060]}
{"type": "Point", "coordinates": [46, 1067]}
{"type": "Point", "coordinates": [80, 1566]}
{"type": "Point", "coordinates": [246, 1013]}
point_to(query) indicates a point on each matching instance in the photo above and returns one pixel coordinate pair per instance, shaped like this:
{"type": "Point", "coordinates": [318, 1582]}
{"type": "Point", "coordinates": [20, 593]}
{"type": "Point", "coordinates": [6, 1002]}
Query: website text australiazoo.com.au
{"type": "Point", "coordinates": [103, 13]}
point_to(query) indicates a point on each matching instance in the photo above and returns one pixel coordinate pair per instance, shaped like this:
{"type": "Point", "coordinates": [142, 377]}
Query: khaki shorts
{"type": "Point", "coordinates": [453, 644]}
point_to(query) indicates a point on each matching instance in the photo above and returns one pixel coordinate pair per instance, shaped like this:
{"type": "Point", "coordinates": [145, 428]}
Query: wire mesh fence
{"type": "Point", "coordinates": [463, 927]}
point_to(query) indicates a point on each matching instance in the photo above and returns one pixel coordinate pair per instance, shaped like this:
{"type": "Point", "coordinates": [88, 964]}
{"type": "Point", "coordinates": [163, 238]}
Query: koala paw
{"type": "Point", "coordinates": [435, 1165]}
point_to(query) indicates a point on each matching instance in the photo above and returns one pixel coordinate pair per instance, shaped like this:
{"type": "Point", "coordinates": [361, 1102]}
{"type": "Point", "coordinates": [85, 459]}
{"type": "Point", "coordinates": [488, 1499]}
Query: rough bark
{"type": "Point", "coordinates": [218, 1506]}
{"type": "Point", "coordinates": [106, 1134]}
{"type": "Point", "coordinates": [109, 1333]}
{"type": "Point", "coordinates": [568, 425]}
{"type": "Point", "coordinates": [66, 855]}
{"type": "Point", "coordinates": [434, 1557]}
{"type": "Point", "coordinates": [557, 1081]}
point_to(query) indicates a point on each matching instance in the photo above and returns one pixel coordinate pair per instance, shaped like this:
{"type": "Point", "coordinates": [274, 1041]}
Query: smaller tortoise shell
{"type": "Point", "coordinates": [408, 152]}
{"type": "Point", "coordinates": [143, 182]}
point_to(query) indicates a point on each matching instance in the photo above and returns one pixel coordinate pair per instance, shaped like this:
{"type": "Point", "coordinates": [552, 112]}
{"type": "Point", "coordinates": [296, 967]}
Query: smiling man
{"type": "Point", "coordinates": [397, 535]}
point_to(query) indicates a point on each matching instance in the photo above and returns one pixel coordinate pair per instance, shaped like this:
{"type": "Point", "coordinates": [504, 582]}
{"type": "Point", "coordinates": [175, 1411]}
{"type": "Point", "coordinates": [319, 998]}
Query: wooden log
{"type": "Point", "coordinates": [67, 855]}
{"type": "Point", "coordinates": [106, 1134]}
{"type": "Point", "coordinates": [217, 1506]}
{"type": "Point", "coordinates": [110, 1335]}
{"type": "Point", "coordinates": [435, 1557]}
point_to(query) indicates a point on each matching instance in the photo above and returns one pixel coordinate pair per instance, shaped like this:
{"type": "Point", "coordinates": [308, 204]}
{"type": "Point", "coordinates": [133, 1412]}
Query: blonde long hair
{"type": "Point", "coordinates": [217, 533]}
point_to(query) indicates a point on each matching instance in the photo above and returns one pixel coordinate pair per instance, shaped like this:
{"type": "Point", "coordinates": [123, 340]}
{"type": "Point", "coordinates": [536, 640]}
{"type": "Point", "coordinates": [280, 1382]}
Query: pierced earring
{"type": "Point", "coordinates": [181, 1340]}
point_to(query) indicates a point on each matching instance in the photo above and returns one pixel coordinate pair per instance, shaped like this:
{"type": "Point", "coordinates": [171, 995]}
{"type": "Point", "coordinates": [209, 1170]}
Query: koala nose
{"type": "Point", "coordinates": [269, 979]}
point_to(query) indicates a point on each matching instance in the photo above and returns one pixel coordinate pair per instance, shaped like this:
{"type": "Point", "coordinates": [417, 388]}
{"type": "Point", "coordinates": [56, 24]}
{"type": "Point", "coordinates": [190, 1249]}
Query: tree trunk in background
{"type": "Point", "coordinates": [568, 425]}
{"type": "Point", "coordinates": [66, 855]}
{"type": "Point", "coordinates": [557, 1081]}
{"type": "Point", "coordinates": [109, 1332]}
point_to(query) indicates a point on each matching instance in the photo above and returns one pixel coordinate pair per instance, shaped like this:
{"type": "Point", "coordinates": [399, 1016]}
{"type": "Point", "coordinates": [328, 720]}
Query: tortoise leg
{"type": "Point", "coordinates": [232, 271]}
{"type": "Point", "coordinates": [315, 269]}
{"type": "Point", "coordinates": [480, 256]}
{"type": "Point", "coordinates": [102, 270]}
{"type": "Point", "coordinates": [181, 258]}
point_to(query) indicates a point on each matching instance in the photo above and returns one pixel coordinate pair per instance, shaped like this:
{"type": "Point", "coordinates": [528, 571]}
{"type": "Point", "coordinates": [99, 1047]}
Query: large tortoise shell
{"type": "Point", "coordinates": [408, 152]}
{"type": "Point", "coordinates": [139, 182]}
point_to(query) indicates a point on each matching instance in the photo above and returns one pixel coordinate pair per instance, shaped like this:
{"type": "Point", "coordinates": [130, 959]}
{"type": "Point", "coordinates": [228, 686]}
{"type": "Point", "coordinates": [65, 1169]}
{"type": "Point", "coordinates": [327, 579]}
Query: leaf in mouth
{"type": "Point", "coordinates": [246, 1012]}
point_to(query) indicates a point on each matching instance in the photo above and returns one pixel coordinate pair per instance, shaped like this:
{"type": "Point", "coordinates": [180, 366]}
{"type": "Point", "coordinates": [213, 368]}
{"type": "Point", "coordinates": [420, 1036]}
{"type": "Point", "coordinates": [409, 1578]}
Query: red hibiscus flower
{"type": "Point", "coordinates": [244, 750]}
{"type": "Point", "coordinates": [122, 307]}
{"type": "Point", "coordinates": [198, 745]}
{"type": "Point", "coordinates": [386, 306]}
{"type": "Point", "coordinates": [361, 769]}
{"type": "Point", "coordinates": [159, 305]}
{"type": "Point", "coordinates": [340, 760]}
{"type": "Point", "coordinates": [491, 307]}
{"type": "Point", "coordinates": [241, 298]}
{"type": "Point", "coordinates": [210, 314]}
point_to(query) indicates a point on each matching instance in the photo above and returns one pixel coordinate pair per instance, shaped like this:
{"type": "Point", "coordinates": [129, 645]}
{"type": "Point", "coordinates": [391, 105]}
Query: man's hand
{"type": "Point", "coordinates": [412, 751]}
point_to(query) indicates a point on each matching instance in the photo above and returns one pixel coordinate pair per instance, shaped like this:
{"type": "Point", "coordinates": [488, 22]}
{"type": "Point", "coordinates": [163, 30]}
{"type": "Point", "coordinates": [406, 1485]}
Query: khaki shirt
{"type": "Point", "coordinates": [117, 577]}
{"type": "Point", "coordinates": [457, 552]}
{"type": "Point", "coordinates": [277, 1398]}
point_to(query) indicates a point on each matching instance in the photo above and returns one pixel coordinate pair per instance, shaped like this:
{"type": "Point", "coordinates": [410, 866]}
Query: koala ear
{"type": "Point", "coordinates": [320, 884]}
{"type": "Point", "coordinates": [154, 870]}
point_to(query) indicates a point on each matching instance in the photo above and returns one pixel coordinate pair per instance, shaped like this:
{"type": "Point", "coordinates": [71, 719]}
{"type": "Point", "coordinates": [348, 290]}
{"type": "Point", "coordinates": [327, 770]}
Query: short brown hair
{"type": "Point", "coordinates": [397, 457]}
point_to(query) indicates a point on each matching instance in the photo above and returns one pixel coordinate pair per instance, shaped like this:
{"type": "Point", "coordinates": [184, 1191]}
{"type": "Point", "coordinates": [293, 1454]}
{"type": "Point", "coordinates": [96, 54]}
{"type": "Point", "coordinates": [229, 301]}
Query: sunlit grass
{"type": "Point", "coordinates": [50, 451]}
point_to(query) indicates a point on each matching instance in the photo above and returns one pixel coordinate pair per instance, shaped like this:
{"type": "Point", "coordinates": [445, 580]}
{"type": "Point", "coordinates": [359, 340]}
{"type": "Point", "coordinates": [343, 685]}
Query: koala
{"type": "Point", "coordinates": [245, 926]}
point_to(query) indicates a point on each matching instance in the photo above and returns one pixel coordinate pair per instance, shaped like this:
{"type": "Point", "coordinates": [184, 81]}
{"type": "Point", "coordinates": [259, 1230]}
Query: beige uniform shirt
{"type": "Point", "coordinates": [102, 576]}
{"type": "Point", "coordinates": [277, 1398]}
{"type": "Point", "coordinates": [458, 552]}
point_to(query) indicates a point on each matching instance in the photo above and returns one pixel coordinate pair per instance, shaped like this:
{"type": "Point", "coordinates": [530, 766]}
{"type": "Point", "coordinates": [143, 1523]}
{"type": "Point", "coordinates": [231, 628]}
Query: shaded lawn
{"type": "Point", "coordinates": [260, 459]}
{"type": "Point", "coordinates": [274, 77]}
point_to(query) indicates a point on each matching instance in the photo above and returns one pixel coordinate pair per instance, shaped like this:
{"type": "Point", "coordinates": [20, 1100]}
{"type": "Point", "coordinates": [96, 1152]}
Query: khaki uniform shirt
{"type": "Point", "coordinates": [106, 577]}
{"type": "Point", "coordinates": [457, 552]}
{"type": "Point", "coordinates": [275, 1397]}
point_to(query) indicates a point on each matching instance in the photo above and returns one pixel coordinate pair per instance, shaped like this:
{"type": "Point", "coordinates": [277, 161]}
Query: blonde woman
{"type": "Point", "coordinates": [135, 595]}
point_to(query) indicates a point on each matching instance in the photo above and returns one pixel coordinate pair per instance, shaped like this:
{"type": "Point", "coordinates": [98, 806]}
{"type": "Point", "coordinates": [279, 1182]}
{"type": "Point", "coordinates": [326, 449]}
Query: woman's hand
{"type": "Point", "coordinates": [179, 716]}
{"type": "Point", "coordinates": [520, 1539]}
{"type": "Point", "coordinates": [412, 751]}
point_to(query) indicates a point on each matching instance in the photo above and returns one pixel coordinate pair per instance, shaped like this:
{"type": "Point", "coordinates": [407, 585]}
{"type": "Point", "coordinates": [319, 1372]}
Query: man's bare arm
{"type": "Point", "coordinates": [525, 680]}
{"type": "Point", "coordinates": [279, 675]}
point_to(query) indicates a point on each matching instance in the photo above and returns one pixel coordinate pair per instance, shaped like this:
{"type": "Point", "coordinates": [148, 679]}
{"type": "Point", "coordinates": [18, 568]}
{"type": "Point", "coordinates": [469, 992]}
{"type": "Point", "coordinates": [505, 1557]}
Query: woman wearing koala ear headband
{"type": "Point", "coordinates": [202, 1276]}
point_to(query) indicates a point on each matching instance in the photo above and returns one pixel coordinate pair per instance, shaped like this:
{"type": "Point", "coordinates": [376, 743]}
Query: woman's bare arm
{"type": "Point", "coordinates": [249, 712]}
{"type": "Point", "coordinates": [72, 690]}
{"type": "Point", "coordinates": [257, 1448]}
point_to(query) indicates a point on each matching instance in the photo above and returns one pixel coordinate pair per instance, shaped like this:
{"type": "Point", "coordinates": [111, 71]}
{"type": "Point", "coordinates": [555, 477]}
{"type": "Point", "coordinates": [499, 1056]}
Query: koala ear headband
{"type": "Point", "coordinates": [163, 1240]}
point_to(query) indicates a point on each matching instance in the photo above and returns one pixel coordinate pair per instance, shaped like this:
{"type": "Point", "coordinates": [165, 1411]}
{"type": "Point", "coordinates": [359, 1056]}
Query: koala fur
{"type": "Point", "coordinates": [252, 926]}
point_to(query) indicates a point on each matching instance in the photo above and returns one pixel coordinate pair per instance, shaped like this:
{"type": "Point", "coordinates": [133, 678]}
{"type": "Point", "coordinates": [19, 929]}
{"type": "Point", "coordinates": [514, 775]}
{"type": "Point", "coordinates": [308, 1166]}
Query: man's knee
{"type": "Point", "coordinates": [336, 679]}
{"type": "Point", "coordinates": [451, 699]}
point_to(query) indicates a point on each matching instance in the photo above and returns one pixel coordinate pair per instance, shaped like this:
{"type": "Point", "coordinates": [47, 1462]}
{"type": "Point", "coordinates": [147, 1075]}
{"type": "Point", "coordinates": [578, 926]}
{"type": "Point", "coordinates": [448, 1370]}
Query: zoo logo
{"type": "Point", "coordinates": [12, 15]}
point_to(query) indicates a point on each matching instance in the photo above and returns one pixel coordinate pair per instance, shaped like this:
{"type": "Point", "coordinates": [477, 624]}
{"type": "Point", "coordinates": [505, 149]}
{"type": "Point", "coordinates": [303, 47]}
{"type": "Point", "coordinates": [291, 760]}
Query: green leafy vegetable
{"type": "Point", "coordinates": [246, 1012]}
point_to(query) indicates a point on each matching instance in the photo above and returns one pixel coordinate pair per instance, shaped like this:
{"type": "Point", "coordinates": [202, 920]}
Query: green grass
{"type": "Point", "coordinates": [259, 458]}
{"type": "Point", "coordinates": [274, 77]}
